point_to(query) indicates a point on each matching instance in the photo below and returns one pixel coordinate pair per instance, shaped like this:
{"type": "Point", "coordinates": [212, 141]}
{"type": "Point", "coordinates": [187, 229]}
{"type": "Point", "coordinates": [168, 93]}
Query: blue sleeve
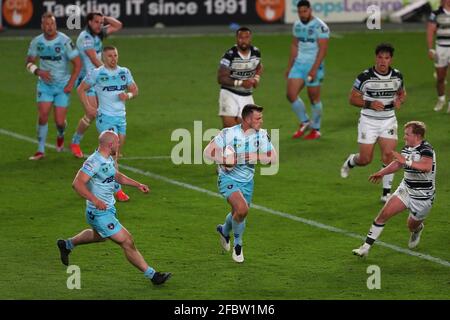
{"type": "Point", "coordinates": [91, 77]}
{"type": "Point", "coordinates": [323, 32]}
{"type": "Point", "coordinates": [264, 142]}
{"type": "Point", "coordinates": [87, 43]}
{"type": "Point", "coordinates": [220, 139]}
{"type": "Point", "coordinates": [71, 50]}
{"type": "Point", "coordinates": [130, 79]}
{"type": "Point", "coordinates": [32, 49]}
{"type": "Point", "coordinates": [90, 167]}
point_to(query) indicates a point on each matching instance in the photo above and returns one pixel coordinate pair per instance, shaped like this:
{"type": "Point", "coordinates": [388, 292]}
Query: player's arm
{"type": "Point", "coordinates": [257, 77]}
{"type": "Point", "coordinates": [356, 99]}
{"type": "Point", "coordinates": [292, 55]}
{"type": "Point", "coordinates": [224, 78]}
{"type": "Point", "coordinates": [93, 57]}
{"type": "Point", "coordinates": [394, 166]}
{"type": "Point", "coordinates": [215, 153]}
{"type": "Point", "coordinates": [79, 184]}
{"type": "Point", "coordinates": [425, 164]}
{"type": "Point", "coordinates": [124, 180]}
{"type": "Point", "coordinates": [400, 98]}
{"type": "Point", "coordinates": [431, 31]}
{"type": "Point", "coordinates": [132, 92]}
{"type": "Point", "coordinates": [323, 48]}
{"type": "Point", "coordinates": [113, 25]}
{"type": "Point", "coordinates": [81, 90]}
{"type": "Point", "coordinates": [76, 63]}
{"type": "Point", "coordinates": [34, 69]}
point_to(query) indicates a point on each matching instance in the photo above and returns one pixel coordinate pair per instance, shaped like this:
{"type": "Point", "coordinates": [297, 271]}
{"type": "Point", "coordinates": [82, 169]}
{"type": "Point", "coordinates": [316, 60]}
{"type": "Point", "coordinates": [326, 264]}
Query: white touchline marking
{"type": "Point", "coordinates": [255, 206]}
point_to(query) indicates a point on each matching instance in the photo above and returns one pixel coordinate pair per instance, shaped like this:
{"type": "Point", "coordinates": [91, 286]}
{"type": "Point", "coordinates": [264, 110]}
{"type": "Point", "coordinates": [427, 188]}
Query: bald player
{"type": "Point", "coordinates": [95, 182]}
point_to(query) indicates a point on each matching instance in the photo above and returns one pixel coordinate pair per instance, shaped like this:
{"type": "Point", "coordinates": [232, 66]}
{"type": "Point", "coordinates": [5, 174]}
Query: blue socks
{"type": "Point", "coordinates": [227, 226]}
{"type": "Point", "coordinates": [299, 108]}
{"type": "Point", "coordinates": [238, 231]}
{"type": "Point", "coordinates": [69, 244]}
{"type": "Point", "coordinates": [42, 131]}
{"type": "Point", "coordinates": [149, 273]}
{"type": "Point", "coordinates": [76, 139]}
{"type": "Point", "coordinates": [316, 115]}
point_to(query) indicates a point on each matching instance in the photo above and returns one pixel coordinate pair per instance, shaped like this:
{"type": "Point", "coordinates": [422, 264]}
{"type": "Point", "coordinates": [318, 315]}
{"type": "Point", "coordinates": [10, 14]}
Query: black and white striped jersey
{"type": "Point", "coordinates": [241, 68]}
{"type": "Point", "coordinates": [441, 18]}
{"type": "Point", "coordinates": [374, 86]}
{"type": "Point", "coordinates": [420, 185]}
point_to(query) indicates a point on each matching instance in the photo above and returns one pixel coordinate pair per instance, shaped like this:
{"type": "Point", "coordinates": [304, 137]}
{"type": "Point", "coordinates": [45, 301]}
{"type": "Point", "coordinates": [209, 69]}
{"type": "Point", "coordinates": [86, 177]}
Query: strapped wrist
{"type": "Point", "coordinates": [31, 67]}
{"type": "Point", "coordinates": [367, 104]}
{"type": "Point", "coordinates": [130, 95]}
{"type": "Point", "coordinates": [408, 163]}
{"type": "Point", "coordinates": [238, 83]}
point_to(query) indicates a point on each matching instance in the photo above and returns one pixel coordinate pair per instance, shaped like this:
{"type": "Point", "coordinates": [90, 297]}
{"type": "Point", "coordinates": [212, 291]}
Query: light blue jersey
{"type": "Point", "coordinates": [257, 142]}
{"type": "Point", "coordinates": [108, 84]}
{"type": "Point", "coordinates": [307, 35]}
{"type": "Point", "coordinates": [87, 41]}
{"type": "Point", "coordinates": [54, 56]}
{"type": "Point", "coordinates": [102, 172]}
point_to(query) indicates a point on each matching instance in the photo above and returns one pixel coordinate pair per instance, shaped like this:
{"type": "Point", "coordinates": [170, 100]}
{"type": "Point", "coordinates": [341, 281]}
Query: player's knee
{"type": "Point", "coordinates": [291, 97]}
{"type": "Point", "coordinates": [386, 158]}
{"type": "Point", "coordinates": [364, 160]}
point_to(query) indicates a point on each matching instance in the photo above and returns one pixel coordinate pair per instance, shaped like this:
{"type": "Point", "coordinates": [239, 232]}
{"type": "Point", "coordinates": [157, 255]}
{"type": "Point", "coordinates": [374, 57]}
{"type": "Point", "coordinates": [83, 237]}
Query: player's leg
{"type": "Point", "coordinates": [61, 103]}
{"type": "Point", "coordinates": [392, 207]}
{"type": "Point", "coordinates": [42, 128]}
{"type": "Point", "coordinates": [419, 211]}
{"type": "Point", "coordinates": [124, 239]}
{"type": "Point", "coordinates": [294, 86]}
{"type": "Point", "coordinates": [316, 108]}
{"type": "Point", "coordinates": [83, 124]}
{"type": "Point", "coordinates": [387, 146]}
{"type": "Point", "coordinates": [84, 237]}
{"type": "Point", "coordinates": [229, 110]}
{"type": "Point", "coordinates": [120, 128]}
{"type": "Point", "coordinates": [441, 65]}
{"type": "Point", "coordinates": [239, 212]}
{"type": "Point", "coordinates": [368, 132]}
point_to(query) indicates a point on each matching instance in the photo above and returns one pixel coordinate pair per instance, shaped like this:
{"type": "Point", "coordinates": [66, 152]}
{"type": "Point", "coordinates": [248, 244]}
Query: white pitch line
{"type": "Point", "coordinates": [145, 158]}
{"type": "Point", "coordinates": [256, 206]}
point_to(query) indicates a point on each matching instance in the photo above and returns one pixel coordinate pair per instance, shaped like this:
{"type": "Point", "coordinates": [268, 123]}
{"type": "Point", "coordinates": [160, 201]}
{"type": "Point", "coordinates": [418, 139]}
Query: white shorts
{"type": "Point", "coordinates": [231, 104]}
{"type": "Point", "coordinates": [418, 209]}
{"type": "Point", "coordinates": [442, 58]}
{"type": "Point", "coordinates": [369, 129]}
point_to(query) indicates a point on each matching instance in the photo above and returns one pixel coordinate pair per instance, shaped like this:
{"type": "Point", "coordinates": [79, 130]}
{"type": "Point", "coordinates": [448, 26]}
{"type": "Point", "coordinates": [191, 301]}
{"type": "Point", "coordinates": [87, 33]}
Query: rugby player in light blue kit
{"type": "Point", "coordinates": [110, 83]}
{"type": "Point", "coordinates": [95, 182]}
{"type": "Point", "coordinates": [306, 68]}
{"type": "Point", "coordinates": [237, 169]}
{"type": "Point", "coordinates": [90, 45]}
{"type": "Point", "coordinates": [54, 50]}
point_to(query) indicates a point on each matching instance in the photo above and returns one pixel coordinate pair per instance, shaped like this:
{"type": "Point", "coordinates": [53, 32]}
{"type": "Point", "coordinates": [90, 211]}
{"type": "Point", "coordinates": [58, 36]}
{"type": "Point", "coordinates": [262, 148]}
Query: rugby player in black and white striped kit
{"type": "Point", "coordinates": [439, 25]}
{"type": "Point", "coordinates": [378, 91]}
{"type": "Point", "coordinates": [415, 192]}
{"type": "Point", "coordinates": [239, 72]}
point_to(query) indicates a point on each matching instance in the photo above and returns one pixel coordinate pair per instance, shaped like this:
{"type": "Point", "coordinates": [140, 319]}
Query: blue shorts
{"type": "Point", "coordinates": [227, 186]}
{"type": "Point", "coordinates": [104, 222]}
{"type": "Point", "coordinates": [91, 92]}
{"type": "Point", "coordinates": [52, 93]}
{"type": "Point", "coordinates": [301, 70]}
{"type": "Point", "coordinates": [117, 123]}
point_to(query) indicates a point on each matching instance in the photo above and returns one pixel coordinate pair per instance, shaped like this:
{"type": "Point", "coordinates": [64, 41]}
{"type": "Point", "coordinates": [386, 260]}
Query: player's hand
{"type": "Point", "coordinates": [249, 83]}
{"type": "Point", "coordinates": [376, 177]}
{"type": "Point", "coordinates": [68, 88]}
{"type": "Point", "coordinates": [432, 54]}
{"type": "Point", "coordinates": [144, 188]}
{"type": "Point", "coordinates": [256, 78]}
{"type": "Point", "coordinates": [377, 105]}
{"type": "Point", "coordinates": [311, 75]}
{"type": "Point", "coordinates": [44, 75]}
{"type": "Point", "coordinates": [123, 96]}
{"type": "Point", "coordinates": [398, 157]}
{"type": "Point", "coordinates": [251, 157]}
{"type": "Point", "coordinates": [99, 204]}
{"type": "Point", "coordinates": [397, 103]}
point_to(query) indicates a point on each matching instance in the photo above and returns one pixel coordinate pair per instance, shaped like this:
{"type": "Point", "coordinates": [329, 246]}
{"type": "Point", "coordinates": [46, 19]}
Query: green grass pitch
{"type": "Point", "coordinates": [174, 227]}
